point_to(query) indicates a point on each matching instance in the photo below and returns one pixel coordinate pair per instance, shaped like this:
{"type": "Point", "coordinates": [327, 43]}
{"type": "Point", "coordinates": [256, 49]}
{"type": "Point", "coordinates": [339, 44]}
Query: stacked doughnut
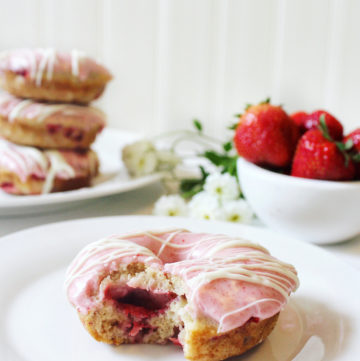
{"type": "Point", "coordinates": [46, 126]}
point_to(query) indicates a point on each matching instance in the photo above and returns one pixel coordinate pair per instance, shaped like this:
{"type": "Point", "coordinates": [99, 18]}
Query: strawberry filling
{"type": "Point", "coordinates": [53, 128]}
{"type": "Point", "coordinates": [74, 134]}
{"type": "Point", "coordinates": [139, 306]}
{"type": "Point", "coordinates": [21, 72]}
{"type": "Point", "coordinates": [8, 187]}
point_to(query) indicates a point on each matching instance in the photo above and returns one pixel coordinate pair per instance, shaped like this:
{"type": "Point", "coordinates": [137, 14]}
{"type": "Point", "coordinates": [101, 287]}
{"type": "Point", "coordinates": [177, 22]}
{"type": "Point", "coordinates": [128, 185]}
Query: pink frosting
{"type": "Point", "coordinates": [29, 162]}
{"type": "Point", "coordinates": [22, 161]}
{"type": "Point", "coordinates": [14, 108]}
{"type": "Point", "coordinates": [226, 279]}
{"type": "Point", "coordinates": [25, 62]}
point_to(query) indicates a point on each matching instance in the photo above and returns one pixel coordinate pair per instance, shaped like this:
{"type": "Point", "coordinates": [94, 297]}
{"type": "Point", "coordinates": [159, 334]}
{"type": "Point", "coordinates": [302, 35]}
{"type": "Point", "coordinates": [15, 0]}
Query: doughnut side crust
{"type": "Point", "coordinates": [55, 91]}
{"type": "Point", "coordinates": [203, 344]}
{"type": "Point", "coordinates": [116, 322]}
{"type": "Point", "coordinates": [70, 127]}
{"type": "Point", "coordinates": [11, 182]}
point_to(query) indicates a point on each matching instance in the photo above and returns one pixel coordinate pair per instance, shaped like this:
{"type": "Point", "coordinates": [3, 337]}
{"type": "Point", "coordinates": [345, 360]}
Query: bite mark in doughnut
{"type": "Point", "coordinates": [215, 295]}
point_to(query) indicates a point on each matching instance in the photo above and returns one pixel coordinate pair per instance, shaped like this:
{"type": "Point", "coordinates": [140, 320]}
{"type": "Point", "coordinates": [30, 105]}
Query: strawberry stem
{"type": "Point", "coordinates": [340, 145]}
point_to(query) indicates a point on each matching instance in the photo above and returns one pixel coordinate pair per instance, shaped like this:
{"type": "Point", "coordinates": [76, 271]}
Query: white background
{"type": "Point", "coordinates": [178, 59]}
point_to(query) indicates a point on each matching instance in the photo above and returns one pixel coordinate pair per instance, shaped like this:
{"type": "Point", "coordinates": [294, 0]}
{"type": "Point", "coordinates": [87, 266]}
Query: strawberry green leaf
{"type": "Point", "coordinates": [356, 157]}
{"type": "Point", "coordinates": [341, 146]}
{"type": "Point", "coordinates": [198, 125]}
{"type": "Point", "coordinates": [238, 115]}
{"type": "Point", "coordinates": [247, 106]}
{"type": "Point", "coordinates": [233, 126]}
{"type": "Point", "coordinates": [349, 144]}
{"type": "Point", "coordinates": [324, 128]}
{"type": "Point", "coordinates": [266, 101]}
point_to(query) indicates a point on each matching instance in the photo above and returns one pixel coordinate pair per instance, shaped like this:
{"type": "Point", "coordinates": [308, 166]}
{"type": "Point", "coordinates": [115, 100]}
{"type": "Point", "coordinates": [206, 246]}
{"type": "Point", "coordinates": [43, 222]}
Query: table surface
{"type": "Point", "coordinates": [138, 202]}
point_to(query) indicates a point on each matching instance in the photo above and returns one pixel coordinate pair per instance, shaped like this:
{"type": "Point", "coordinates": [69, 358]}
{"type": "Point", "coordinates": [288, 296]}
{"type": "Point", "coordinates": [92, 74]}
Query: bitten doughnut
{"type": "Point", "coordinates": [46, 74]}
{"type": "Point", "coordinates": [47, 125]}
{"type": "Point", "coordinates": [214, 295]}
{"type": "Point", "coordinates": [28, 170]}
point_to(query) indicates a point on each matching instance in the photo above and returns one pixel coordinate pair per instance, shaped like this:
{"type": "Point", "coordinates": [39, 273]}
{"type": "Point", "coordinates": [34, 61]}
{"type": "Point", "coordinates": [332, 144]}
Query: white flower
{"type": "Point", "coordinates": [205, 206]}
{"type": "Point", "coordinates": [223, 186]}
{"type": "Point", "coordinates": [167, 160]}
{"type": "Point", "coordinates": [140, 158]}
{"type": "Point", "coordinates": [237, 211]}
{"type": "Point", "coordinates": [172, 205]}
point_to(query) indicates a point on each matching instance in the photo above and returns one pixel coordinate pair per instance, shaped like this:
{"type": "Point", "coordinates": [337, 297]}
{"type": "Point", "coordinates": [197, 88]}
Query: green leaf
{"type": "Point", "coordinates": [347, 159]}
{"type": "Point", "coordinates": [214, 157]}
{"type": "Point", "coordinates": [204, 173]}
{"type": "Point", "coordinates": [191, 186]}
{"type": "Point", "coordinates": [266, 101]}
{"type": "Point", "coordinates": [228, 146]}
{"type": "Point", "coordinates": [247, 106]}
{"type": "Point", "coordinates": [349, 144]}
{"type": "Point", "coordinates": [233, 126]}
{"type": "Point", "coordinates": [356, 157]}
{"type": "Point", "coordinates": [238, 115]}
{"type": "Point", "coordinates": [324, 128]}
{"type": "Point", "coordinates": [341, 146]}
{"type": "Point", "coordinates": [198, 125]}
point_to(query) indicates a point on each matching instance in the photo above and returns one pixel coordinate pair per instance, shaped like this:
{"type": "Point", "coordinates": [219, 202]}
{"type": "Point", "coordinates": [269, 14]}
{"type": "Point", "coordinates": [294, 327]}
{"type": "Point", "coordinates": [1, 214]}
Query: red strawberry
{"type": "Point", "coordinates": [319, 158]}
{"type": "Point", "coordinates": [312, 121]}
{"type": "Point", "coordinates": [266, 136]}
{"type": "Point", "coordinates": [355, 137]}
{"type": "Point", "coordinates": [300, 118]}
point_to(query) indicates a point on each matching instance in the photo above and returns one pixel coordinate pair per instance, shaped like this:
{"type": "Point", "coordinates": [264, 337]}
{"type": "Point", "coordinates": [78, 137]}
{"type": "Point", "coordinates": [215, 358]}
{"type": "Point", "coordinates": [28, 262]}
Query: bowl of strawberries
{"type": "Point", "coordinates": [299, 172]}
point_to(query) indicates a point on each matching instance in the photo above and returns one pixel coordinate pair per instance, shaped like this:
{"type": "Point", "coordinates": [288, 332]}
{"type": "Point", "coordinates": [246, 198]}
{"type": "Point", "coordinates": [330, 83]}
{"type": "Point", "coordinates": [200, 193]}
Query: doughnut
{"type": "Point", "coordinates": [214, 295]}
{"type": "Point", "coordinates": [47, 125]}
{"type": "Point", "coordinates": [28, 170]}
{"type": "Point", "coordinates": [46, 74]}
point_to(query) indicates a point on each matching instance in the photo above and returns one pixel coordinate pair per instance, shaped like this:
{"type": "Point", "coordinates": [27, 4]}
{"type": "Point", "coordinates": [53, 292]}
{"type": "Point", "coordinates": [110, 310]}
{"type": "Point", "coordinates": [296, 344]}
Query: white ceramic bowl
{"type": "Point", "coordinates": [311, 210]}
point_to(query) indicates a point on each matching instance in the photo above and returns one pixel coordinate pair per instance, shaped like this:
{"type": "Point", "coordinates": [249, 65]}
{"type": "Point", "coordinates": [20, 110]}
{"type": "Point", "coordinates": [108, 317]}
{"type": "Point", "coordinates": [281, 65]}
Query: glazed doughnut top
{"type": "Point", "coordinates": [227, 279]}
{"type": "Point", "coordinates": [48, 64]}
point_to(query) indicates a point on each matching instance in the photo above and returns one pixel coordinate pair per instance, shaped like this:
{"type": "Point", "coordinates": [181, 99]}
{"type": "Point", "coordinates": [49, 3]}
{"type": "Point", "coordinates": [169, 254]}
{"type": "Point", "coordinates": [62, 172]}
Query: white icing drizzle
{"type": "Point", "coordinates": [18, 108]}
{"type": "Point", "coordinates": [241, 309]}
{"type": "Point", "coordinates": [57, 165]}
{"type": "Point", "coordinates": [75, 62]}
{"type": "Point", "coordinates": [22, 160]}
{"type": "Point", "coordinates": [25, 161]}
{"type": "Point", "coordinates": [32, 60]}
{"type": "Point", "coordinates": [48, 110]}
{"type": "Point", "coordinates": [46, 62]}
{"type": "Point", "coordinates": [121, 249]}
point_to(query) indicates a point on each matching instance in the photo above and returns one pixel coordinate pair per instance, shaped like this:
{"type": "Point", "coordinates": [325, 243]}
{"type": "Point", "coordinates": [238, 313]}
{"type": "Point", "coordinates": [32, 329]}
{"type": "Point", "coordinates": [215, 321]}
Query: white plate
{"type": "Point", "coordinates": [321, 322]}
{"type": "Point", "coordinates": [113, 179]}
